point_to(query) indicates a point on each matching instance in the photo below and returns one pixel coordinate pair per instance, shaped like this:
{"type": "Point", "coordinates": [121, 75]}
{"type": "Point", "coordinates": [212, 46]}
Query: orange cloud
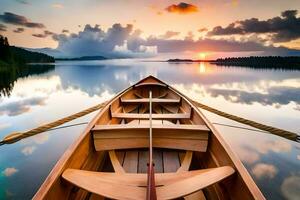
{"type": "Point", "coordinates": [200, 30]}
{"type": "Point", "coordinates": [182, 8]}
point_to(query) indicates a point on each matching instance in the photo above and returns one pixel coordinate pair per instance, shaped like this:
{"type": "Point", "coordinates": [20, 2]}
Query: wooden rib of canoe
{"type": "Point", "coordinates": [109, 160]}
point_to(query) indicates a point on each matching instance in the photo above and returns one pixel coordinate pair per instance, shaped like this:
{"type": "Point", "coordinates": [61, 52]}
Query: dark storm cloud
{"type": "Point", "coordinates": [19, 30]}
{"type": "Point", "coordinates": [283, 28]}
{"type": "Point", "coordinates": [3, 27]}
{"type": "Point", "coordinates": [182, 8]}
{"type": "Point", "coordinates": [11, 18]}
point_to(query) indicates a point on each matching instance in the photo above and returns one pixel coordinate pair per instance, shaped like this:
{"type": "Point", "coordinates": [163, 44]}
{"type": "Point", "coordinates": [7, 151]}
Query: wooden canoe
{"type": "Point", "coordinates": [109, 159]}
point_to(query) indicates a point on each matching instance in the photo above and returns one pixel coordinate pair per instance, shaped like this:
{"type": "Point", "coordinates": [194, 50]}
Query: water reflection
{"type": "Point", "coordinates": [202, 68]}
{"type": "Point", "coordinates": [8, 76]}
{"type": "Point", "coordinates": [71, 86]}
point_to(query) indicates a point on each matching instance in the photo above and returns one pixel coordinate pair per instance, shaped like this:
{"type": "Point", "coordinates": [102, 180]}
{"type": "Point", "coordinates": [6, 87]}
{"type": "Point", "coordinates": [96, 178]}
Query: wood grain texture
{"type": "Point", "coordinates": [186, 162]}
{"type": "Point", "coordinates": [146, 100]}
{"type": "Point", "coordinates": [129, 143]}
{"type": "Point", "coordinates": [115, 162]}
{"type": "Point", "coordinates": [130, 164]}
{"type": "Point", "coordinates": [170, 161]}
{"type": "Point", "coordinates": [154, 116]}
{"type": "Point", "coordinates": [124, 186]}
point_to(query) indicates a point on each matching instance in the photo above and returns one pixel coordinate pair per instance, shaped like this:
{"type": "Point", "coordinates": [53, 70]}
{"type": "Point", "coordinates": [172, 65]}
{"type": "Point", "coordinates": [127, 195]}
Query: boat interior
{"type": "Point", "coordinates": [189, 161]}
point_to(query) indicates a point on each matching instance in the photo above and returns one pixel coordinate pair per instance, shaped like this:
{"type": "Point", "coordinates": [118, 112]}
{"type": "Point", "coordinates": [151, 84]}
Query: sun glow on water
{"type": "Point", "coordinates": [202, 68]}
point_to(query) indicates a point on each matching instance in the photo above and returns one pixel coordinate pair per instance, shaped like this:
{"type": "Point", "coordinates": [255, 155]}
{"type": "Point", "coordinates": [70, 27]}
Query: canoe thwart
{"type": "Point", "coordinates": [185, 137]}
{"type": "Point", "coordinates": [154, 116]}
{"type": "Point", "coordinates": [146, 100]}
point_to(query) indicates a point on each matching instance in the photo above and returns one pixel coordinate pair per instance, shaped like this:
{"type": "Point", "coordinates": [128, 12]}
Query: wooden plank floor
{"type": "Point", "coordinates": [135, 160]}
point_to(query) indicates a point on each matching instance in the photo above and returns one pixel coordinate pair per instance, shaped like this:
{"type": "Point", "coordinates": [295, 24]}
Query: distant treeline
{"type": "Point", "coordinates": [290, 62]}
{"type": "Point", "coordinates": [12, 56]}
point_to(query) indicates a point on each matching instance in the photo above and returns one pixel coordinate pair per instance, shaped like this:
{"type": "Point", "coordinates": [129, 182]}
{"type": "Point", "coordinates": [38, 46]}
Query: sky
{"type": "Point", "coordinates": [200, 29]}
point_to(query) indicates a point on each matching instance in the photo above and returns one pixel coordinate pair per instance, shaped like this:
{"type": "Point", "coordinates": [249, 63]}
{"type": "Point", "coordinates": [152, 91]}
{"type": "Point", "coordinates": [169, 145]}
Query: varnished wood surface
{"type": "Point", "coordinates": [154, 100]}
{"type": "Point", "coordinates": [124, 186]}
{"type": "Point", "coordinates": [136, 160]}
{"type": "Point", "coordinates": [154, 116]}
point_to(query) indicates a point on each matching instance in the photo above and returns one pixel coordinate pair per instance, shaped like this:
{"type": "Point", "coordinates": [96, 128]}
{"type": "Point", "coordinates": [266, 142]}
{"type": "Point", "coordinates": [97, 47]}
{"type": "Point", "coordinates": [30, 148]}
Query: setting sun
{"type": "Point", "coordinates": [202, 55]}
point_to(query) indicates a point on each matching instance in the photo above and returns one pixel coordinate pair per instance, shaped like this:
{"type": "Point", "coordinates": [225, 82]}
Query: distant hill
{"type": "Point", "coordinates": [11, 55]}
{"type": "Point", "coordinates": [49, 51]}
{"type": "Point", "coordinates": [84, 58]}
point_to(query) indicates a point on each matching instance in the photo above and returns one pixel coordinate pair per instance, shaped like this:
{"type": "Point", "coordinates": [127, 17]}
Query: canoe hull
{"type": "Point", "coordinates": [83, 155]}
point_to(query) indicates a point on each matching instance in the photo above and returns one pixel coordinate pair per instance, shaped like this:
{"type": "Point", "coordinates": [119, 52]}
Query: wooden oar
{"type": "Point", "coordinates": [151, 190]}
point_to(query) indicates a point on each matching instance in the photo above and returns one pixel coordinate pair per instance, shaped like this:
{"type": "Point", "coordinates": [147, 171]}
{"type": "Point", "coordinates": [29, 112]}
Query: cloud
{"type": "Point", "coordinates": [9, 171]}
{"type": "Point", "coordinates": [44, 34]}
{"type": "Point", "coordinates": [57, 5]}
{"type": "Point", "coordinates": [41, 138]}
{"type": "Point", "coordinates": [182, 8]}
{"type": "Point", "coordinates": [284, 28]}
{"type": "Point", "coordinates": [169, 34]}
{"type": "Point", "coordinates": [143, 51]}
{"type": "Point", "coordinates": [22, 106]}
{"type": "Point", "coordinates": [19, 30]}
{"type": "Point", "coordinates": [263, 170]}
{"type": "Point", "coordinates": [290, 187]}
{"type": "Point", "coordinates": [274, 95]}
{"type": "Point", "coordinates": [3, 27]}
{"type": "Point", "coordinates": [117, 41]}
{"type": "Point", "coordinates": [11, 18]}
{"type": "Point", "coordinates": [23, 2]}
{"type": "Point", "coordinates": [28, 150]}
{"type": "Point", "coordinates": [123, 41]}
{"type": "Point", "coordinates": [217, 45]}
{"type": "Point", "coordinates": [190, 36]}
{"type": "Point", "coordinates": [277, 146]}
{"type": "Point", "coordinates": [200, 30]}
{"type": "Point", "coordinates": [247, 155]}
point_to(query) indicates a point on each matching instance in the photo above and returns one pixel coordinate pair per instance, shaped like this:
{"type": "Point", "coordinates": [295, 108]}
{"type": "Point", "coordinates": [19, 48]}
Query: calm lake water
{"type": "Point", "coordinates": [267, 96]}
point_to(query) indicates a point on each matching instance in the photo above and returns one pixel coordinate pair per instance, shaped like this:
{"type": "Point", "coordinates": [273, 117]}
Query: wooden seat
{"type": "Point", "coordinates": [146, 100]}
{"type": "Point", "coordinates": [132, 186]}
{"type": "Point", "coordinates": [187, 137]}
{"type": "Point", "coordinates": [154, 116]}
{"type": "Point", "coordinates": [159, 167]}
